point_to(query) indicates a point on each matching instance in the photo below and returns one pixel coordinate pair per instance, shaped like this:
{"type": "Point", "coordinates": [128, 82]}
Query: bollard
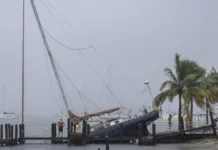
{"type": "Point", "coordinates": [107, 144]}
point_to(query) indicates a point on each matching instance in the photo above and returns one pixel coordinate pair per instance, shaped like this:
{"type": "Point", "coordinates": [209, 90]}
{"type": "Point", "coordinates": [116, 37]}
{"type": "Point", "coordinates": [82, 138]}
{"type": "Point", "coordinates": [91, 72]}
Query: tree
{"type": "Point", "coordinates": [184, 76]}
{"type": "Point", "coordinates": [212, 91]}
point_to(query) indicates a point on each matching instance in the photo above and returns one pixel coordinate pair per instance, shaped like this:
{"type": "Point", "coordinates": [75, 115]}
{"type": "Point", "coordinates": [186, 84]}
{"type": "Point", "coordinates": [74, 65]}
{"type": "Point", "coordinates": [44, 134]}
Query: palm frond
{"type": "Point", "coordinates": [163, 96]}
{"type": "Point", "coordinates": [170, 74]}
{"type": "Point", "coordinates": [167, 83]}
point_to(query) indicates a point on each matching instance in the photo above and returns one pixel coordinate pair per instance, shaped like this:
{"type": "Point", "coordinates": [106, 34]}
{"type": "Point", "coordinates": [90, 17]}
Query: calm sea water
{"type": "Point", "coordinates": [41, 126]}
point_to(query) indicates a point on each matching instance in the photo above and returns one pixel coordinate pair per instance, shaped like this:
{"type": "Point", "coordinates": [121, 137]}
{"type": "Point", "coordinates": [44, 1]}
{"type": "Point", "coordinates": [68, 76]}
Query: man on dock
{"type": "Point", "coordinates": [170, 121]}
{"type": "Point", "coordinates": [60, 125]}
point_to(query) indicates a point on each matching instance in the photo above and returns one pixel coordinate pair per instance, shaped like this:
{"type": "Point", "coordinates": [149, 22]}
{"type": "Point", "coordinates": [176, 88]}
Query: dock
{"type": "Point", "coordinates": [11, 135]}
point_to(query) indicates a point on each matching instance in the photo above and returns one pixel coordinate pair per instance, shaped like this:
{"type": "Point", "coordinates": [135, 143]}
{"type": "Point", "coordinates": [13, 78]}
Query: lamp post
{"type": "Point", "coordinates": [147, 84]}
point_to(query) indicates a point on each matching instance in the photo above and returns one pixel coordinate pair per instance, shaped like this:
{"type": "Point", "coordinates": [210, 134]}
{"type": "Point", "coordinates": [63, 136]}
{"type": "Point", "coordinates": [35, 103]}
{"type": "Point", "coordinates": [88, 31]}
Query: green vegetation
{"type": "Point", "coordinates": [190, 82]}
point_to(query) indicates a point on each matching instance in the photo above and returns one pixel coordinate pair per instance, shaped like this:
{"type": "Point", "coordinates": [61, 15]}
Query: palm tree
{"type": "Point", "coordinates": [203, 91]}
{"type": "Point", "coordinates": [186, 72]}
{"type": "Point", "coordinates": [212, 91]}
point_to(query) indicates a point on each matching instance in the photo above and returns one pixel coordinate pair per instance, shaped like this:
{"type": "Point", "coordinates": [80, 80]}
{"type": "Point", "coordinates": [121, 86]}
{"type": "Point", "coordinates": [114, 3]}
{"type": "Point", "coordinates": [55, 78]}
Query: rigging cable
{"type": "Point", "coordinates": [70, 24]}
{"type": "Point", "coordinates": [75, 86]}
{"type": "Point", "coordinates": [86, 61]}
{"type": "Point", "coordinates": [60, 43]}
{"type": "Point", "coordinates": [49, 76]}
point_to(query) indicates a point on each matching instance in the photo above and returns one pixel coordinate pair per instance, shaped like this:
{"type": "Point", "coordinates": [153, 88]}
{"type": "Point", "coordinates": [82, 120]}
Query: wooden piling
{"type": "Point", "coordinates": [139, 131]}
{"type": "Point", "coordinates": [23, 133]}
{"type": "Point", "coordinates": [154, 133]}
{"type": "Point", "coordinates": [6, 131]}
{"type": "Point", "coordinates": [52, 133]}
{"type": "Point", "coordinates": [11, 135]}
{"type": "Point", "coordinates": [107, 144]}
{"type": "Point", "coordinates": [16, 134]}
{"type": "Point", "coordinates": [9, 131]}
{"type": "Point", "coordinates": [84, 128]}
{"type": "Point", "coordinates": [71, 127]}
{"type": "Point", "coordinates": [2, 133]}
{"type": "Point", "coordinates": [68, 128]}
{"type": "Point", "coordinates": [88, 130]}
{"type": "Point", "coordinates": [20, 134]}
{"type": "Point", "coordinates": [74, 128]}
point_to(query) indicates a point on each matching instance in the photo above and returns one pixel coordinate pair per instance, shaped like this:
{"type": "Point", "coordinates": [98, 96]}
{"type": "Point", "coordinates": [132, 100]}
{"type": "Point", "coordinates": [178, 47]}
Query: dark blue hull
{"type": "Point", "coordinates": [127, 128]}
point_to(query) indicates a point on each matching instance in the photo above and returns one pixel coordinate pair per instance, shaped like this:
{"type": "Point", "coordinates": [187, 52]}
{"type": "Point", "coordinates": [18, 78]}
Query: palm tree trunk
{"type": "Point", "coordinates": [212, 121]}
{"type": "Point", "coordinates": [191, 114]}
{"type": "Point", "coordinates": [207, 112]}
{"type": "Point", "coordinates": [180, 112]}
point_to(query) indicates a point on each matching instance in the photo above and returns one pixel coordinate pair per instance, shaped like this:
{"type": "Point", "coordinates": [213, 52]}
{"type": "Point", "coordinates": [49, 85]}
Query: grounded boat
{"type": "Point", "coordinates": [128, 127]}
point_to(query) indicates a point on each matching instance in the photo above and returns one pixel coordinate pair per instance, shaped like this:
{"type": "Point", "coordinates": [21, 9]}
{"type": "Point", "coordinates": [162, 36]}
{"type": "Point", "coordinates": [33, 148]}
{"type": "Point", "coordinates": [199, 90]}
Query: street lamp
{"type": "Point", "coordinates": [147, 84]}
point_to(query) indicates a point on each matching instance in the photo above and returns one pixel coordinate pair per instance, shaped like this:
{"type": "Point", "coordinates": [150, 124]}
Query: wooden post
{"type": "Point", "coordinates": [139, 131]}
{"type": "Point", "coordinates": [16, 134]}
{"type": "Point", "coordinates": [1, 136]}
{"type": "Point", "coordinates": [20, 134]}
{"type": "Point", "coordinates": [182, 123]}
{"type": "Point", "coordinates": [84, 128]}
{"type": "Point", "coordinates": [6, 131]}
{"type": "Point", "coordinates": [154, 133]}
{"type": "Point", "coordinates": [74, 128]}
{"type": "Point", "coordinates": [107, 144]}
{"type": "Point", "coordinates": [55, 131]}
{"type": "Point", "coordinates": [12, 134]}
{"type": "Point", "coordinates": [71, 127]}
{"type": "Point", "coordinates": [88, 130]}
{"type": "Point", "coordinates": [52, 133]}
{"type": "Point", "coordinates": [9, 131]}
{"type": "Point", "coordinates": [68, 129]}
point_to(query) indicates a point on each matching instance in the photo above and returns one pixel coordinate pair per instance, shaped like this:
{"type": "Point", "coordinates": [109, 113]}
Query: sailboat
{"type": "Point", "coordinates": [129, 126]}
{"type": "Point", "coordinates": [6, 115]}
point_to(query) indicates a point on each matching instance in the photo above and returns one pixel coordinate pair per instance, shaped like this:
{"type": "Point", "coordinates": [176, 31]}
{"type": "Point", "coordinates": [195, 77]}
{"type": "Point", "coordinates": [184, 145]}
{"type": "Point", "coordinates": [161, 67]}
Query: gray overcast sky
{"type": "Point", "coordinates": [138, 38]}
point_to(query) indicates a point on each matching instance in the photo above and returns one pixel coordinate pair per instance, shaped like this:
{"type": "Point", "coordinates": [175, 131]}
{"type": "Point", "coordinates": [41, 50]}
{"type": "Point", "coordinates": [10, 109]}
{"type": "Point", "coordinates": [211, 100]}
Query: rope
{"type": "Point", "coordinates": [75, 86]}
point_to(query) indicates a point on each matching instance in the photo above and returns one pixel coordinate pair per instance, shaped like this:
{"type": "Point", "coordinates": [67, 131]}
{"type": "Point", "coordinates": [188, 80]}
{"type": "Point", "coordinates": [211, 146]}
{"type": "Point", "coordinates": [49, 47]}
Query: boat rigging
{"type": "Point", "coordinates": [74, 118]}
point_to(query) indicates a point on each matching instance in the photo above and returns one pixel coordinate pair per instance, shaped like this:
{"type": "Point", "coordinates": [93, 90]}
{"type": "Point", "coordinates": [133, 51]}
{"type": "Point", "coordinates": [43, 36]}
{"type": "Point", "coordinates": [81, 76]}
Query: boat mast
{"type": "Point", "coordinates": [49, 54]}
{"type": "Point", "coordinates": [23, 63]}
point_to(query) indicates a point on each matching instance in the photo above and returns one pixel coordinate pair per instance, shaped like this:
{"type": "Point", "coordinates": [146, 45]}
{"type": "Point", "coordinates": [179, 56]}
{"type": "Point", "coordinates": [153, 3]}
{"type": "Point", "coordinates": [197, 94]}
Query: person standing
{"type": "Point", "coordinates": [60, 125]}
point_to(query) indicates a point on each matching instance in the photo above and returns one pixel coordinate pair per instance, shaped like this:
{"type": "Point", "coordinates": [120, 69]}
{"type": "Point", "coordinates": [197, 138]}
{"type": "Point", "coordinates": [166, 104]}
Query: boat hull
{"type": "Point", "coordinates": [127, 128]}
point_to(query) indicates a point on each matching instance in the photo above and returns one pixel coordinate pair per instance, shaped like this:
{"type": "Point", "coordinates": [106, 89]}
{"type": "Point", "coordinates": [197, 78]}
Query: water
{"type": "Point", "coordinates": [41, 126]}
{"type": "Point", "coordinates": [116, 147]}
